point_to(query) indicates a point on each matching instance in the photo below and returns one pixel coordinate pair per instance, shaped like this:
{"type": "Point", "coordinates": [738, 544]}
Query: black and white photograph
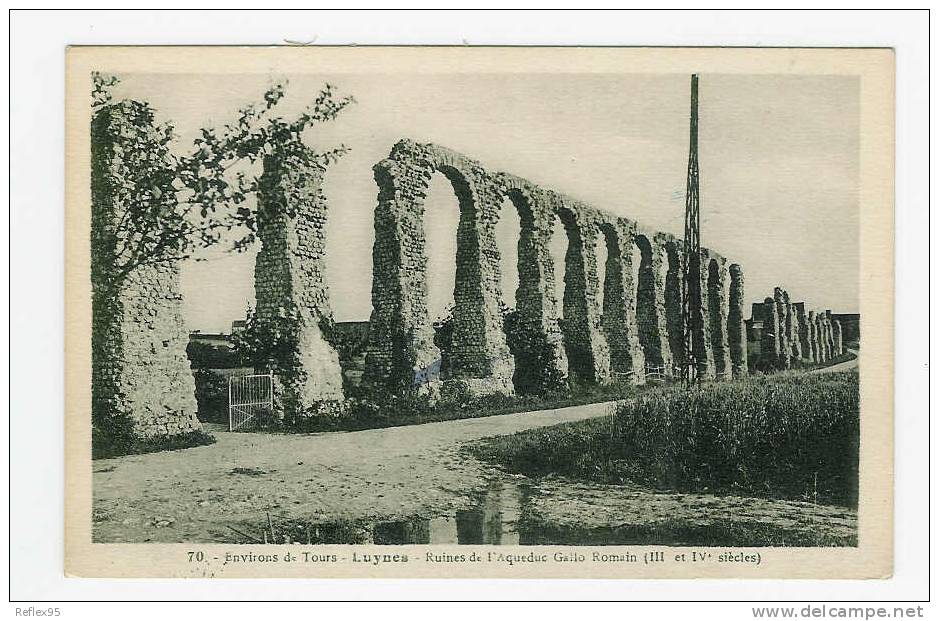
{"type": "Point", "coordinates": [548, 315]}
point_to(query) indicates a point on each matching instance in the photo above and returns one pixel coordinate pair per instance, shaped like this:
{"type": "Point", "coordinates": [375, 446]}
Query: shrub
{"type": "Point", "coordinates": [114, 442]}
{"type": "Point", "coordinates": [204, 355]}
{"type": "Point", "coordinates": [211, 395]}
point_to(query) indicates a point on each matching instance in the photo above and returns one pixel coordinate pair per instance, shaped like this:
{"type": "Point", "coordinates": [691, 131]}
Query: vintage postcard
{"type": "Point", "coordinates": [456, 312]}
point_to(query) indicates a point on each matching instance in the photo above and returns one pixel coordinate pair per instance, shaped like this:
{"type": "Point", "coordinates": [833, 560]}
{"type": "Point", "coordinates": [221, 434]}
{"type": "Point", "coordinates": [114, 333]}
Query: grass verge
{"type": "Point", "coordinates": [374, 410]}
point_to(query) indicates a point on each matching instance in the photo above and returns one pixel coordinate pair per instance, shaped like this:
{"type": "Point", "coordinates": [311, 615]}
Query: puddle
{"type": "Point", "coordinates": [496, 520]}
{"type": "Point", "coordinates": [501, 516]}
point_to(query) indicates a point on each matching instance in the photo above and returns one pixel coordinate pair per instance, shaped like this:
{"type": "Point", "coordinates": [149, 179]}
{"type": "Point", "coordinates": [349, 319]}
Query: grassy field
{"type": "Point", "coordinates": [787, 436]}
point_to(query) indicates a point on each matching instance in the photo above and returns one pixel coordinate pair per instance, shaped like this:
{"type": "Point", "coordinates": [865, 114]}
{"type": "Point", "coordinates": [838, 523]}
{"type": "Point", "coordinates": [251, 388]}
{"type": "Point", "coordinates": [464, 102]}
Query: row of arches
{"type": "Point", "coordinates": [543, 287]}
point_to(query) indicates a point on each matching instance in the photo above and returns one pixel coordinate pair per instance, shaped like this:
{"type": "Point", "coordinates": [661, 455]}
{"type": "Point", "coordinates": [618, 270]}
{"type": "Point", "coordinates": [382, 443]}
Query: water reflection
{"type": "Point", "coordinates": [494, 522]}
{"type": "Point", "coordinates": [503, 515]}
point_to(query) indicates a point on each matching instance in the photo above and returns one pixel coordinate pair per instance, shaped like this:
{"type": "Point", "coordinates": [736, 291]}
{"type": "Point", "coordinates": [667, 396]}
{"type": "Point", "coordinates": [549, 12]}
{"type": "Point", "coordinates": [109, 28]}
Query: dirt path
{"type": "Point", "coordinates": [847, 365]}
{"type": "Point", "coordinates": [196, 495]}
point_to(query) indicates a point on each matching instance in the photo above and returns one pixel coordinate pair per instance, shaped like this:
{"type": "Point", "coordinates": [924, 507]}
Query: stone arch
{"type": "Point", "coordinates": [514, 218]}
{"type": "Point", "coordinates": [585, 345]}
{"type": "Point", "coordinates": [466, 357]}
{"type": "Point", "coordinates": [529, 276]}
{"type": "Point", "coordinates": [533, 330]}
{"type": "Point", "coordinates": [402, 353]}
{"type": "Point", "coordinates": [619, 317]}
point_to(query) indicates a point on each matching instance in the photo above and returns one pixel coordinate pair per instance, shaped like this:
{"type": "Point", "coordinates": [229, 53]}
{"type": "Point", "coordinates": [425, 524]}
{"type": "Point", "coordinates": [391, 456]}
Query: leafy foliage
{"type": "Point", "coordinates": [535, 370]}
{"type": "Point", "coordinates": [205, 355]}
{"type": "Point", "coordinates": [271, 342]}
{"type": "Point", "coordinates": [168, 204]}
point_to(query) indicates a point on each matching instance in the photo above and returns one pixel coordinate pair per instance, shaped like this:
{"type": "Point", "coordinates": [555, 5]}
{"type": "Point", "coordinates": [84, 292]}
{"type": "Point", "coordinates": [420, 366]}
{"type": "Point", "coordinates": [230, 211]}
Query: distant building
{"type": "Point", "coordinates": [216, 340]}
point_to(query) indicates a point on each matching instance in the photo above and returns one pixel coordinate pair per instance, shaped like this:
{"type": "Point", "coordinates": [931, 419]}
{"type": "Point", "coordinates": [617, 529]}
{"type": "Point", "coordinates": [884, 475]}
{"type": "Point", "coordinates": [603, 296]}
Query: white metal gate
{"type": "Point", "coordinates": [248, 396]}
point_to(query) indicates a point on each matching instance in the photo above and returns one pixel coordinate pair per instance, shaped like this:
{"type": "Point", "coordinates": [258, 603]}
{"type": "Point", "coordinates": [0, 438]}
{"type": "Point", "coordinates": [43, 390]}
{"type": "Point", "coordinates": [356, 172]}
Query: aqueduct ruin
{"type": "Point", "coordinates": [636, 326]}
{"type": "Point", "coordinates": [791, 336]}
{"type": "Point", "coordinates": [600, 331]}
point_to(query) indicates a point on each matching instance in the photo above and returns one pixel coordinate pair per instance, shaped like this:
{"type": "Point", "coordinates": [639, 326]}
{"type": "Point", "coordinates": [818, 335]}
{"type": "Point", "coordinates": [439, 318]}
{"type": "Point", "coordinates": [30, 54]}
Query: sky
{"type": "Point", "coordinates": [779, 162]}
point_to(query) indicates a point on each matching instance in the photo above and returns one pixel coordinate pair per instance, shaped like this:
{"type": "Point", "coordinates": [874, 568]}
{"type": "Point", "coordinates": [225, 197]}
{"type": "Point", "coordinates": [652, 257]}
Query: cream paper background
{"type": "Point", "coordinates": [874, 68]}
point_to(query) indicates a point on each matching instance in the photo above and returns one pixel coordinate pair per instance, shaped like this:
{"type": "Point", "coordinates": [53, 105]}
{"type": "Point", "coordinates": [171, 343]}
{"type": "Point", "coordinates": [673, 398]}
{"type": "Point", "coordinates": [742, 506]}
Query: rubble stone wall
{"type": "Point", "coordinates": [290, 286]}
{"type": "Point", "coordinates": [140, 372]}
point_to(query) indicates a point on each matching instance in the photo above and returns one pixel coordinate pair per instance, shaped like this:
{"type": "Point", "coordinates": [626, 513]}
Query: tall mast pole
{"type": "Point", "coordinates": [691, 277]}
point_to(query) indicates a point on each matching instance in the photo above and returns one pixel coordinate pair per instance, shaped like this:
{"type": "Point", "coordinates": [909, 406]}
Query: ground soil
{"type": "Point", "coordinates": [225, 491]}
{"type": "Point", "coordinates": [201, 494]}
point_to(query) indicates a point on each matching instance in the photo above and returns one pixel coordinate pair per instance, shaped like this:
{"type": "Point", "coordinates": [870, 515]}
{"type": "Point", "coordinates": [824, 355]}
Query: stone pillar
{"type": "Point", "coordinates": [659, 320]}
{"type": "Point", "coordinates": [812, 324]}
{"type": "Point", "coordinates": [588, 353]}
{"type": "Point", "coordinates": [785, 347]}
{"type": "Point", "coordinates": [736, 330]}
{"type": "Point", "coordinates": [802, 329]}
{"type": "Point", "coordinates": [830, 324]}
{"type": "Point", "coordinates": [290, 287]}
{"type": "Point", "coordinates": [718, 306]}
{"type": "Point", "coordinates": [701, 325]}
{"type": "Point", "coordinates": [401, 353]}
{"type": "Point", "coordinates": [771, 346]}
{"type": "Point", "coordinates": [141, 382]}
{"type": "Point", "coordinates": [674, 319]}
{"type": "Point", "coordinates": [619, 302]}
{"type": "Point", "coordinates": [836, 334]}
{"type": "Point", "coordinates": [540, 358]}
{"type": "Point", "coordinates": [792, 331]}
{"type": "Point", "coordinates": [824, 352]}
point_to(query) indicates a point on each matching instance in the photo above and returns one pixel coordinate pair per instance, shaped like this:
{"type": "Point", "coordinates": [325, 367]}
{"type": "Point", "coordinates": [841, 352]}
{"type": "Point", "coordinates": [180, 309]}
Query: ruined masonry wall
{"type": "Point", "coordinates": [140, 372]}
{"type": "Point", "coordinates": [290, 285]}
{"type": "Point", "coordinates": [791, 335]}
